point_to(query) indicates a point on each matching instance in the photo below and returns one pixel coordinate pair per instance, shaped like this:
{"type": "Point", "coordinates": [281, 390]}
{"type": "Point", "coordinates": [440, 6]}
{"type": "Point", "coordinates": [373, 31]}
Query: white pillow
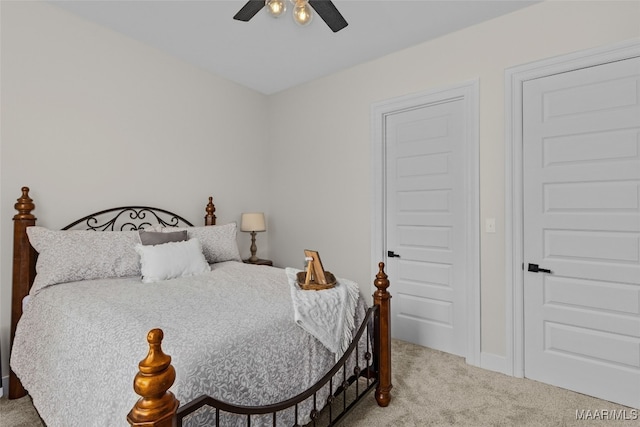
{"type": "Point", "coordinates": [171, 260]}
{"type": "Point", "coordinates": [68, 256]}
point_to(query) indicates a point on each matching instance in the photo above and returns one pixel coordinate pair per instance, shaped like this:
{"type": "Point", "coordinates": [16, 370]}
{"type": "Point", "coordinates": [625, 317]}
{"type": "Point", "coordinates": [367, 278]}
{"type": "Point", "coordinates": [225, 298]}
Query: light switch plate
{"type": "Point", "coordinates": [490, 225]}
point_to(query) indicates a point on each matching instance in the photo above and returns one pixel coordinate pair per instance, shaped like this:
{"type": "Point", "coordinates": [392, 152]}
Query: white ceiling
{"type": "Point", "coordinates": [270, 55]}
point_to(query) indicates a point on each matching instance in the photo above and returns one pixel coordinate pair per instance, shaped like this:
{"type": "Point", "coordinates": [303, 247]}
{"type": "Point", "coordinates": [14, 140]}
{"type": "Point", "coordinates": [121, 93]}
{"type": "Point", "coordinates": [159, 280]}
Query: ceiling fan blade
{"type": "Point", "coordinates": [329, 14]}
{"type": "Point", "coordinates": [249, 10]}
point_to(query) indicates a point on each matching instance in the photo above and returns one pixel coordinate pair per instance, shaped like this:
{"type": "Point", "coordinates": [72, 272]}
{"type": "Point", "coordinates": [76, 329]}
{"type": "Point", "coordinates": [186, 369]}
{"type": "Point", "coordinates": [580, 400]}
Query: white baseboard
{"type": "Point", "coordinates": [494, 362]}
{"type": "Point", "coordinates": [4, 386]}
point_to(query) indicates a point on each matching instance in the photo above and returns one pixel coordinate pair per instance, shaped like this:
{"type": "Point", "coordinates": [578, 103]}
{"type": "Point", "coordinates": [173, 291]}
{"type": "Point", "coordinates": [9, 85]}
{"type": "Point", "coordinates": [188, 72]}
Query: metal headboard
{"type": "Point", "coordinates": [129, 218]}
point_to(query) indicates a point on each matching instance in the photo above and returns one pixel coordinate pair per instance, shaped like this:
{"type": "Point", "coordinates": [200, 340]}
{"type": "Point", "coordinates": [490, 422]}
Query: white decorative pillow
{"type": "Point", "coordinates": [68, 256]}
{"type": "Point", "coordinates": [171, 260]}
{"type": "Point", "coordinates": [218, 241]}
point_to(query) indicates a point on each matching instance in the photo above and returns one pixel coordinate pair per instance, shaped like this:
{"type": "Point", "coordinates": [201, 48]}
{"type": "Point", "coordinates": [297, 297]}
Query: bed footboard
{"type": "Point", "coordinates": [158, 407]}
{"type": "Point", "coordinates": [382, 299]}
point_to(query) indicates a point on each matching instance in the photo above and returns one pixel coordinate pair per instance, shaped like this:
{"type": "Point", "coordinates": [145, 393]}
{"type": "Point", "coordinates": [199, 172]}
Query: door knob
{"type": "Point", "coordinates": [392, 254]}
{"type": "Point", "coordinates": [535, 268]}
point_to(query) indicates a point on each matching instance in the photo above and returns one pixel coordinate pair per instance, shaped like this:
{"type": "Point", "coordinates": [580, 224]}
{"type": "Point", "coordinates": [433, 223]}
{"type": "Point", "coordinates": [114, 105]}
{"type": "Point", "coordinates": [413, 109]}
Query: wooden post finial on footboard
{"type": "Point", "coordinates": [210, 218]}
{"type": "Point", "coordinates": [157, 406]}
{"type": "Point", "coordinates": [382, 299]}
{"type": "Point", "coordinates": [24, 271]}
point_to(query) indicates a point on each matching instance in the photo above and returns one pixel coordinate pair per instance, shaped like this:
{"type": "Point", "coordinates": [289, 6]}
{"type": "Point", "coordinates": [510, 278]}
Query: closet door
{"type": "Point", "coordinates": [426, 224]}
{"type": "Point", "coordinates": [581, 153]}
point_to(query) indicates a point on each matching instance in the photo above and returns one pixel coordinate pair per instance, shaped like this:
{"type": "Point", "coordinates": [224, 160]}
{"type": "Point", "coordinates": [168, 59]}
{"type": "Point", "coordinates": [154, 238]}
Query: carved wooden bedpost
{"type": "Point", "coordinates": [157, 406]}
{"type": "Point", "coordinates": [210, 218]}
{"type": "Point", "coordinates": [24, 271]}
{"type": "Point", "coordinates": [382, 298]}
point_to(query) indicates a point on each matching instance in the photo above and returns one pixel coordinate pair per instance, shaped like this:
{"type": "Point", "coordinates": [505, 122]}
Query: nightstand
{"type": "Point", "coordinates": [259, 262]}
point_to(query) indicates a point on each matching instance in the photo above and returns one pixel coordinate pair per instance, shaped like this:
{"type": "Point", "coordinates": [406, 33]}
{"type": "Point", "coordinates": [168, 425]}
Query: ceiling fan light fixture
{"type": "Point", "coordinates": [302, 14]}
{"type": "Point", "coordinates": [276, 7]}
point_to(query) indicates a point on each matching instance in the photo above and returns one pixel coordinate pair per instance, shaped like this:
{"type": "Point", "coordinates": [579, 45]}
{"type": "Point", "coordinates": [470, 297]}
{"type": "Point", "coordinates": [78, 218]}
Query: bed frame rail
{"type": "Point", "coordinates": [158, 407]}
{"type": "Point", "coordinates": [369, 374]}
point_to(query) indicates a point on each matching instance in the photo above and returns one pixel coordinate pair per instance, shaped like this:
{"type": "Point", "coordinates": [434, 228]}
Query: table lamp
{"type": "Point", "coordinates": [253, 222]}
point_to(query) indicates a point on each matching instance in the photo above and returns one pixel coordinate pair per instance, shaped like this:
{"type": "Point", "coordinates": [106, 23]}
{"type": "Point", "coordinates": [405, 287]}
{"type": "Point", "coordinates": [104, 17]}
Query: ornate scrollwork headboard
{"type": "Point", "coordinates": [128, 218]}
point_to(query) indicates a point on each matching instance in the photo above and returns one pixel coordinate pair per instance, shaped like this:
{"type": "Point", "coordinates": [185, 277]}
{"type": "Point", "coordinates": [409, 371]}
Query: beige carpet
{"type": "Point", "coordinates": [432, 388]}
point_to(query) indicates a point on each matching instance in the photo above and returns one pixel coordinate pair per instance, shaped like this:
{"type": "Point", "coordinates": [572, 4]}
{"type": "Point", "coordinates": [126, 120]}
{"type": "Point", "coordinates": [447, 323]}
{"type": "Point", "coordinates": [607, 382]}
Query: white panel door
{"type": "Point", "coordinates": [581, 151]}
{"type": "Point", "coordinates": [426, 224]}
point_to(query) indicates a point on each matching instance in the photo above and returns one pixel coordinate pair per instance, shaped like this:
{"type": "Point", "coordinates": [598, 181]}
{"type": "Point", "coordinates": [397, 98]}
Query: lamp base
{"type": "Point", "coordinates": [253, 247]}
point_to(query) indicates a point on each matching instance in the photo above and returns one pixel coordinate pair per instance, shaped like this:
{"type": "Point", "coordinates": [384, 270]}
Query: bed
{"type": "Point", "coordinates": [238, 353]}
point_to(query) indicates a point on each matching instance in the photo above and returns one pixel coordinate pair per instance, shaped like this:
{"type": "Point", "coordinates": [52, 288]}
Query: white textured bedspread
{"type": "Point", "coordinates": [230, 332]}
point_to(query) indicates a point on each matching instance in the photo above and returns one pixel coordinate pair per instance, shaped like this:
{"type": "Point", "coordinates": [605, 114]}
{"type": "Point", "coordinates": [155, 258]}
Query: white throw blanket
{"type": "Point", "coordinates": [328, 314]}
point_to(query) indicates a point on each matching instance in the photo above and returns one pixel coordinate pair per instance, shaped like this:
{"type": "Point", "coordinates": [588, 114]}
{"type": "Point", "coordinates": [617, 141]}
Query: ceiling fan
{"type": "Point", "coordinates": [301, 11]}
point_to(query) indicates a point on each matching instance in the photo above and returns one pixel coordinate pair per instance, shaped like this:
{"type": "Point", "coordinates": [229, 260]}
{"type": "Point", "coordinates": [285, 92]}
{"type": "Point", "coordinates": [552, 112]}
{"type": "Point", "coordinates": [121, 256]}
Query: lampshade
{"type": "Point", "coordinates": [253, 221]}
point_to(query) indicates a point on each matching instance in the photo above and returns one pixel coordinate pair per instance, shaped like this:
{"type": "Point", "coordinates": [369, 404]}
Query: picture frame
{"type": "Point", "coordinates": [315, 270]}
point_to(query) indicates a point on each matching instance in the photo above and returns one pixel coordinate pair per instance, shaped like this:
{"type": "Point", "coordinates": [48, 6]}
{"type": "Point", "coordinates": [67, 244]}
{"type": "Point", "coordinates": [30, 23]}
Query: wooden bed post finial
{"type": "Point", "coordinates": [24, 271]}
{"type": "Point", "coordinates": [157, 406]}
{"type": "Point", "coordinates": [382, 299]}
{"type": "Point", "coordinates": [24, 205]}
{"type": "Point", "coordinates": [210, 218]}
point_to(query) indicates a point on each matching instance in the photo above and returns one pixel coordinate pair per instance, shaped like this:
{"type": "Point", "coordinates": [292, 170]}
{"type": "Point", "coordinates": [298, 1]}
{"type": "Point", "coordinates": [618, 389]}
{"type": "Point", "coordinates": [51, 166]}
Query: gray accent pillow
{"type": "Point", "coordinates": [152, 238]}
